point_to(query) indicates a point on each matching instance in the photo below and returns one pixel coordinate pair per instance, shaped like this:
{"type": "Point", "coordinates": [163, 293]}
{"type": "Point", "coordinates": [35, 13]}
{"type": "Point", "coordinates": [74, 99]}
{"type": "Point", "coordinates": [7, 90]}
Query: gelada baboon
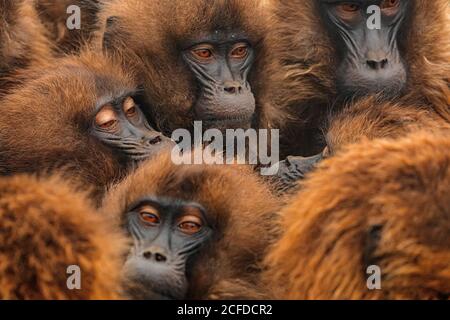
{"type": "Point", "coordinates": [55, 15]}
{"type": "Point", "coordinates": [325, 52]}
{"type": "Point", "coordinates": [340, 235]}
{"type": "Point", "coordinates": [198, 58]}
{"type": "Point", "coordinates": [365, 119]}
{"type": "Point", "coordinates": [196, 235]}
{"type": "Point", "coordinates": [49, 230]}
{"type": "Point", "coordinates": [79, 114]}
{"type": "Point", "coordinates": [22, 41]}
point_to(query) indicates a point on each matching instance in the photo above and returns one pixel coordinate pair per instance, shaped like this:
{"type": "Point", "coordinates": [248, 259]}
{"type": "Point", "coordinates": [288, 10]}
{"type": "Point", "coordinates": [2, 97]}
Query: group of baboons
{"type": "Point", "coordinates": [87, 177]}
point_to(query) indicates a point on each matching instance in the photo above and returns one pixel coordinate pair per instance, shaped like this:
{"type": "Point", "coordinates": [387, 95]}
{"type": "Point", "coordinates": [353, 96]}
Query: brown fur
{"type": "Point", "coordinates": [242, 209]}
{"type": "Point", "coordinates": [369, 119]}
{"type": "Point", "coordinates": [302, 81]}
{"type": "Point", "coordinates": [155, 38]}
{"type": "Point", "coordinates": [23, 41]}
{"type": "Point", "coordinates": [47, 226]}
{"type": "Point", "coordinates": [382, 203]}
{"type": "Point", "coordinates": [44, 124]}
{"type": "Point", "coordinates": [53, 14]}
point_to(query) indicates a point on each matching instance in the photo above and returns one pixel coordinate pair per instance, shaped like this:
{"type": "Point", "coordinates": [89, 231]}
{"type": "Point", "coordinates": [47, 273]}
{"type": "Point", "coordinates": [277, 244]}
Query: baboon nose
{"type": "Point", "coordinates": [160, 257]}
{"type": "Point", "coordinates": [154, 254]}
{"type": "Point", "coordinates": [232, 87]}
{"type": "Point", "coordinates": [377, 64]}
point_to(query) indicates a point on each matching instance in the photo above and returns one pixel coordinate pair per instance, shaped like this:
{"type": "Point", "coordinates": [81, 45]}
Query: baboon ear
{"type": "Point", "coordinates": [113, 35]}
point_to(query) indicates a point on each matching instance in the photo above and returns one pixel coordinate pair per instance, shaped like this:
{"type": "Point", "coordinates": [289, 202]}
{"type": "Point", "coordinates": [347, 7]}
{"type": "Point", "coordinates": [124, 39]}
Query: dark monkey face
{"type": "Point", "coordinates": [121, 125]}
{"type": "Point", "coordinates": [221, 62]}
{"type": "Point", "coordinates": [166, 233]}
{"type": "Point", "coordinates": [370, 61]}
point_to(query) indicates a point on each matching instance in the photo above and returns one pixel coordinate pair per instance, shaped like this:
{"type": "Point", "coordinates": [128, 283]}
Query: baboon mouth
{"type": "Point", "coordinates": [243, 121]}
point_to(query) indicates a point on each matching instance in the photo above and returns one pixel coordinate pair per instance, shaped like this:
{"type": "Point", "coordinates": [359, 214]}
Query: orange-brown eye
{"type": "Point", "coordinates": [348, 7]}
{"type": "Point", "coordinates": [348, 11]}
{"type": "Point", "coordinates": [149, 215]}
{"type": "Point", "coordinates": [129, 107]}
{"type": "Point", "coordinates": [240, 51]}
{"type": "Point", "coordinates": [190, 224]}
{"type": "Point", "coordinates": [202, 53]}
{"type": "Point", "coordinates": [389, 3]}
{"type": "Point", "coordinates": [390, 7]}
{"type": "Point", "coordinates": [106, 118]}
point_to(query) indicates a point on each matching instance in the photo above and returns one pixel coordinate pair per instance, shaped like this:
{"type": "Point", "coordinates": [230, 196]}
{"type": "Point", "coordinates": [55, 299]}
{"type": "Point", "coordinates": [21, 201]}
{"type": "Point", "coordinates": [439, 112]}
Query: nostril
{"type": "Point", "coordinates": [372, 64]}
{"type": "Point", "coordinates": [155, 140]}
{"type": "Point", "coordinates": [375, 65]}
{"type": "Point", "coordinates": [147, 254]}
{"type": "Point", "coordinates": [230, 89]}
{"type": "Point", "coordinates": [160, 258]}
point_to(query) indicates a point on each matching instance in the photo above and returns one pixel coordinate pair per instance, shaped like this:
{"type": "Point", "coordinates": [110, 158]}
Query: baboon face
{"type": "Point", "coordinates": [121, 125]}
{"type": "Point", "coordinates": [81, 114]}
{"type": "Point", "coordinates": [196, 58]}
{"type": "Point", "coordinates": [221, 63]}
{"type": "Point", "coordinates": [369, 56]}
{"type": "Point", "coordinates": [165, 233]}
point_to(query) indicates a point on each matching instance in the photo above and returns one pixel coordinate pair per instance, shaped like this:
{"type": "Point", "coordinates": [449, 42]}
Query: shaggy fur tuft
{"type": "Point", "coordinates": [53, 14]}
{"type": "Point", "coordinates": [48, 226]}
{"type": "Point", "coordinates": [381, 203]}
{"type": "Point", "coordinates": [23, 41]}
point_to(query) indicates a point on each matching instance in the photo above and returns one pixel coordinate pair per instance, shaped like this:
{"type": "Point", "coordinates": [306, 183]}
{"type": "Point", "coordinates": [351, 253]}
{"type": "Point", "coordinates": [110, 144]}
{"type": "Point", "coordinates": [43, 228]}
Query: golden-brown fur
{"type": "Point", "coordinates": [369, 119]}
{"type": "Point", "coordinates": [23, 41]}
{"type": "Point", "coordinates": [44, 124]}
{"type": "Point", "coordinates": [154, 39]}
{"type": "Point", "coordinates": [242, 209]}
{"type": "Point", "coordinates": [302, 78]}
{"type": "Point", "coordinates": [48, 226]}
{"type": "Point", "coordinates": [385, 203]}
{"type": "Point", "coordinates": [53, 14]}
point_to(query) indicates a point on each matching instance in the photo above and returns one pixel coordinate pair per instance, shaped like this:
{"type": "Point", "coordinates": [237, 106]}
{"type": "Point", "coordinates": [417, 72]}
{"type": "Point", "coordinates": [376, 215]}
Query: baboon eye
{"type": "Point", "coordinates": [389, 3]}
{"type": "Point", "coordinates": [348, 11]}
{"type": "Point", "coordinates": [348, 7]}
{"type": "Point", "coordinates": [149, 215]}
{"type": "Point", "coordinates": [390, 7]}
{"type": "Point", "coordinates": [202, 52]}
{"type": "Point", "coordinates": [190, 224]}
{"type": "Point", "coordinates": [106, 118]}
{"type": "Point", "coordinates": [240, 51]}
{"type": "Point", "coordinates": [129, 107]}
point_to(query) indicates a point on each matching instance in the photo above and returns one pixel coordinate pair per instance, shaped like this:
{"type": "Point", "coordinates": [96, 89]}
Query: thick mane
{"type": "Point", "coordinates": [48, 225]}
{"type": "Point", "coordinates": [428, 55]}
{"type": "Point", "coordinates": [23, 42]}
{"type": "Point", "coordinates": [236, 215]}
{"type": "Point", "coordinates": [387, 206]}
